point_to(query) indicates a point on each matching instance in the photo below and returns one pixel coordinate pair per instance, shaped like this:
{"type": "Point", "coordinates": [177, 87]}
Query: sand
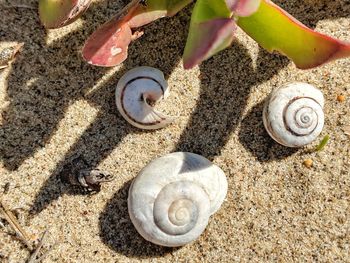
{"type": "Point", "coordinates": [55, 107]}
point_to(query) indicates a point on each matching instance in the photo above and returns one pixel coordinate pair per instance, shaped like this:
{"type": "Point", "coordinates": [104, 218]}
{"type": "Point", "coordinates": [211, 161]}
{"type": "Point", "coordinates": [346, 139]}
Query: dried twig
{"type": "Point", "coordinates": [46, 253]}
{"type": "Point", "coordinates": [34, 255]}
{"type": "Point", "coordinates": [7, 55]}
{"type": "Point", "coordinates": [11, 219]}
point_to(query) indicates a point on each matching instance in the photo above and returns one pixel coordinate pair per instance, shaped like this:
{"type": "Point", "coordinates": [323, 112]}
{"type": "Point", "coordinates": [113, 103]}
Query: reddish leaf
{"type": "Point", "coordinates": [103, 45]}
{"type": "Point", "coordinates": [108, 46]}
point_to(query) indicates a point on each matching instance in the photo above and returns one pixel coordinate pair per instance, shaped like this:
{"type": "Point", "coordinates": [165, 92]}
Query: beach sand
{"type": "Point", "coordinates": [55, 107]}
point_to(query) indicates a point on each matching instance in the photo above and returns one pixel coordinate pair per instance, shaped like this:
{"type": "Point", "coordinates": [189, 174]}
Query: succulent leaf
{"type": "Point", "coordinates": [58, 13]}
{"type": "Point", "coordinates": [275, 29]}
{"type": "Point", "coordinates": [207, 38]}
{"type": "Point", "coordinates": [211, 30]}
{"type": "Point", "coordinates": [108, 46]}
{"type": "Point", "coordinates": [243, 7]}
{"type": "Point", "coordinates": [102, 46]}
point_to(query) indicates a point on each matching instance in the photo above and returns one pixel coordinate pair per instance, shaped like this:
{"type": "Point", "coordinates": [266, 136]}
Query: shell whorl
{"type": "Point", "coordinates": [293, 114]}
{"type": "Point", "coordinates": [136, 93]}
{"type": "Point", "coordinates": [172, 198]}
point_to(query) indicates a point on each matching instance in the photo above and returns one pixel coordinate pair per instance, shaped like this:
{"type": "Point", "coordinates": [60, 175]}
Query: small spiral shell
{"type": "Point", "coordinates": [293, 114]}
{"type": "Point", "coordinates": [172, 198]}
{"type": "Point", "coordinates": [136, 94]}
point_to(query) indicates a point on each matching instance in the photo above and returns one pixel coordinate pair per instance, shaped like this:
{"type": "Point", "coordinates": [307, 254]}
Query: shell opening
{"type": "Point", "coordinates": [136, 95]}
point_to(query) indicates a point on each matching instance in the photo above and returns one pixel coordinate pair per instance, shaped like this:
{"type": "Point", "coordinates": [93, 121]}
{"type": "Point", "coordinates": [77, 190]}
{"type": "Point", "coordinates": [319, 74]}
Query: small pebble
{"type": "Point", "coordinates": [340, 98]}
{"type": "Point", "coordinates": [308, 163]}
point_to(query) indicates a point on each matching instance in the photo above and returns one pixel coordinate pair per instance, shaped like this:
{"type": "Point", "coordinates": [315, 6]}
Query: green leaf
{"type": "Point", "coordinates": [323, 143]}
{"type": "Point", "coordinates": [211, 30]}
{"type": "Point", "coordinates": [274, 29]}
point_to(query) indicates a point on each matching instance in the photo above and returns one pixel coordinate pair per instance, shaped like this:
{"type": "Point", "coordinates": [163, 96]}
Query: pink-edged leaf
{"type": "Point", "coordinates": [108, 46]}
{"type": "Point", "coordinates": [211, 30]}
{"type": "Point", "coordinates": [58, 13]}
{"type": "Point", "coordinates": [206, 39]}
{"type": "Point", "coordinates": [103, 46]}
{"type": "Point", "coordinates": [275, 29]}
{"type": "Point", "coordinates": [245, 7]}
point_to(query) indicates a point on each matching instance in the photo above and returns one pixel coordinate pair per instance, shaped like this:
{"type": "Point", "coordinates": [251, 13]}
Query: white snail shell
{"type": "Point", "coordinates": [136, 93]}
{"type": "Point", "coordinates": [293, 114]}
{"type": "Point", "coordinates": [172, 198]}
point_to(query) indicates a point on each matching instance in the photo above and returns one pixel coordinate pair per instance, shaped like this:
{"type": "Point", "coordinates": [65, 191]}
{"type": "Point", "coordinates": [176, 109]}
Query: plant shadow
{"type": "Point", "coordinates": [224, 93]}
{"type": "Point", "coordinates": [118, 232]}
{"type": "Point", "coordinates": [109, 128]}
{"type": "Point", "coordinates": [223, 97]}
{"type": "Point", "coordinates": [45, 79]}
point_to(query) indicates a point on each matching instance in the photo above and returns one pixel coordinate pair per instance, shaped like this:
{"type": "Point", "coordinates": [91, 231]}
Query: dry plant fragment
{"type": "Point", "coordinates": [33, 257]}
{"type": "Point", "coordinates": [46, 253]}
{"type": "Point", "coordinates": [76, 173]}
{"type": "Point", "coordinates": [10, 218]}
{"type": "Point", "coordinates": [8, 54]}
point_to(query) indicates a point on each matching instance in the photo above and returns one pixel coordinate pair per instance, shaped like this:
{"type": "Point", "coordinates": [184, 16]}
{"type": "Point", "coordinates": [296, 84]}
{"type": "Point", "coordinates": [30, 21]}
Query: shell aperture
{"type": "Point", "coordinates": [136, 94]}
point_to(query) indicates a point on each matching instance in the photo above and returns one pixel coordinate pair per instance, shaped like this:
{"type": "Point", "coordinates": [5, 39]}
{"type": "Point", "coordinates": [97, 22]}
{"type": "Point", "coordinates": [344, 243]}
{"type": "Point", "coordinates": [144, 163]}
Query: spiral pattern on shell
{"type": "Point", "coordinates": [293, 114]}
{"type": "Point", "coordinates": [172, 198]}
{"type": "Point", "coordinates": [136, 94]}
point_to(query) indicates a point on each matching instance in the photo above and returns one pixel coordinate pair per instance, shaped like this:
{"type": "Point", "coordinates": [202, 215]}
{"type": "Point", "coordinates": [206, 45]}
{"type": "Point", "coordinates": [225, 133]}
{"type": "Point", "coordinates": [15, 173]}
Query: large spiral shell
{"type": "Point", "coordinates": [172, 198]}
{"type": "Point", "coordinates": [293, 114]}
{"type": "Point", "coordinates": [136, 94]}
